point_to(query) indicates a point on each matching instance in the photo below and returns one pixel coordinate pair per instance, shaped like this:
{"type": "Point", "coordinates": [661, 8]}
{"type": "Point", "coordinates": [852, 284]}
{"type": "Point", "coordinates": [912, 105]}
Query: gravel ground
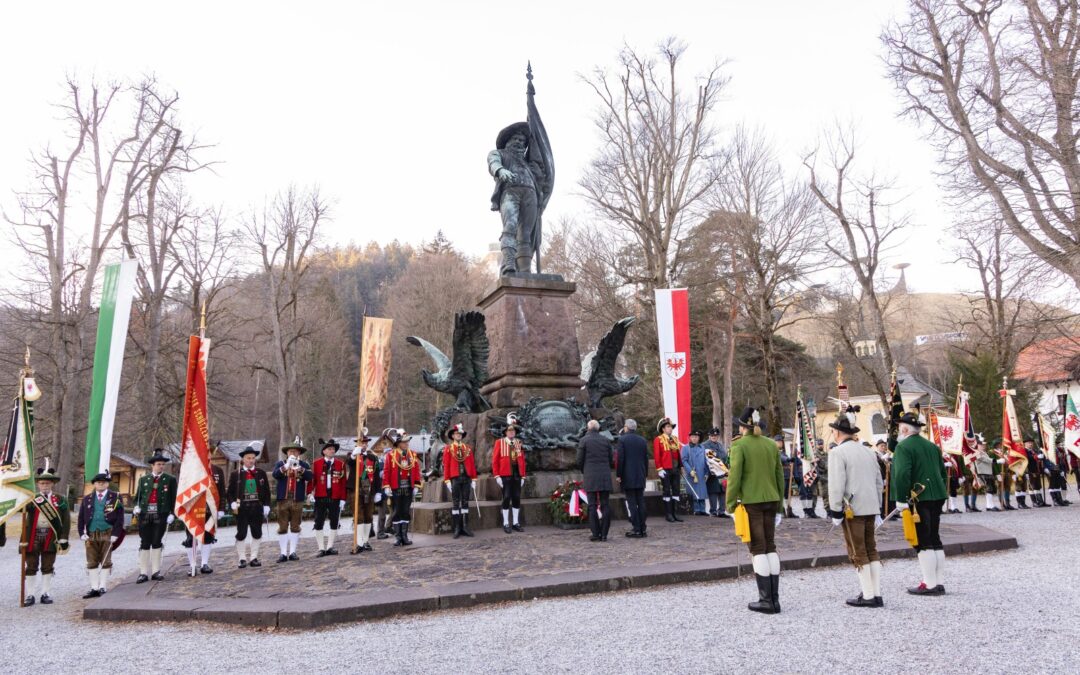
{"type": "Point", "coordinates": [1005, 612]}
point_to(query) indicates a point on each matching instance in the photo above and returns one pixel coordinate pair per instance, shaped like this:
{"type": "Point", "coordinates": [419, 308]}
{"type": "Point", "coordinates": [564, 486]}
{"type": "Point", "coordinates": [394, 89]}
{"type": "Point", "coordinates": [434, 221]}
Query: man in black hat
{"type": "Point", "coordinates": [520, 185]}
{"type": "Point", "coordinates": [668, 460]}
{"type": "Point", "coordinates": [154, 500]}
{"type": "Point", "coordinates": [101, 528]}
{"type": "Point", "coordinates": [459, 475]}
{"type": "Point", "coordinates": [756, 482]}
{"type": "Point", "coordinates": [369, 489]}
{"type": "Point", "coordinates": [855, 504]}
{"type": "Point", "coordinates": [249, 496]}
{"type": "Point", "coordinates": [1035, 471]}
{"type": "Point", "coordinates": [293, 476]}
{"type": "Point", "coordinates": [717, 458]}
{"type": "Point", "coordinates": [402, 481]}
{"type": "Point", "coordinates": [329, 493]}
{"type": "Point", "coordinates": [48, 522]}
{"type": "Point", "coordinates": [919, 483]}
{"type": "Point", "coordinates": [631, 470]}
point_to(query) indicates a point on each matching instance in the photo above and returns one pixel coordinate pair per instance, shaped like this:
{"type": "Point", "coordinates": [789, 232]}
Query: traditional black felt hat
{"type": "Point", "coordinates": [102, 477]}
{"type": "Point", "coordinates": [664, 421]}
{"type": "Point", "coordinates": [158, 456]}
{"type": "Point", "coordinates": [46, 473]}
{"type": "Point", "coordinates": [331, 443]}
{"type": "Point", "coordinates": [249, 450]}
{"type": "Point", "coordinates": [844, 425]}
{"type": "Point", "coordinates": [459, 427]}
{"type": "Point", "coordinates": [508, 132]}
{"type": "Point", "coordinates": [750, 418]}
{"type": "Point", "coordinates": [911, 419]}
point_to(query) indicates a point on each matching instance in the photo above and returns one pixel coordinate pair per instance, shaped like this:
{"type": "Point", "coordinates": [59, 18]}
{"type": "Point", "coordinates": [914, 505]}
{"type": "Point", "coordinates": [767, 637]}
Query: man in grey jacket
{"type": "Point", "coordinates": [855, 486]}
{"type": "Point", "coordinates": [595, 459]}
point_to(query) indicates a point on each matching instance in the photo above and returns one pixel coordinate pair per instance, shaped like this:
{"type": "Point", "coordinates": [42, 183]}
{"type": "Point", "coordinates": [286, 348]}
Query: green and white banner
{"type": "Point", "coordinates": [116, 296]}
{"type": "Point", "coordinates": [17, 457]}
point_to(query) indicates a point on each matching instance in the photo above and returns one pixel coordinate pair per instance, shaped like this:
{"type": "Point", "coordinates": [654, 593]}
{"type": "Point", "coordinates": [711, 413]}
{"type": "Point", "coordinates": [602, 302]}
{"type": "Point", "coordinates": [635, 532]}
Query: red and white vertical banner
{"type": "Point", "coordinates": [673, 329]}
{"type": "Point", "coordinates": [195, 492]}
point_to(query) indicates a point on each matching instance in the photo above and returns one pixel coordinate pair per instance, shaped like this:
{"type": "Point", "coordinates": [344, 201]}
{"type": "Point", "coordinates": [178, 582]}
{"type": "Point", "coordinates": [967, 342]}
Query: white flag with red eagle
{"type": "Point", "coordinates": [196, 495]}
{"type": "Point", "coordinates": [673, 329]}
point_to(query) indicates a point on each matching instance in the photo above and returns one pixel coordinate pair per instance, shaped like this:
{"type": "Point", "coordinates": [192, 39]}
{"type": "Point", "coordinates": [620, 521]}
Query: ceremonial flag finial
{"type": "Point", "coordinates": [202, 320]}
{"type": "Point", "coordinates": [530, 90]}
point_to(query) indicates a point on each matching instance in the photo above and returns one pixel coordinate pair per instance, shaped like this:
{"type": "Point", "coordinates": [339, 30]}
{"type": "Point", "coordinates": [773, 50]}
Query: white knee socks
{"type": "Point", "coordinates": [761, 565]}
{"type": "Point", "coordinates": [294, 541]}
{"type": "Point", "coordinates": [204, 553]}
{"type": "Point", "coordinates": [320, 540]}
{"type": "Point", "coordinates": [144, 561]}
{"type": "Point", "coordinates": [46, 583]}
{"type": "Point", "coordinates": [240, 553]}
{"type": "Point", "coordinates": [517, 512]}
{"type": "Point", "coordinates": [875, 577]}
{"type": "Point", "coordinates": [866, 582]}
{"type": "Point", "coordinates": [330, 537]}
{"type": "Point", "coordinates": [283, 543]}
{"type": "Point", "coordinates": [506, 517]}
{"type": "Point", "coordinates": [928, 565]}
{"type": "Point", "coordinates": [939, 567]}
{"type": "Point", "coordinates": [774, 563]}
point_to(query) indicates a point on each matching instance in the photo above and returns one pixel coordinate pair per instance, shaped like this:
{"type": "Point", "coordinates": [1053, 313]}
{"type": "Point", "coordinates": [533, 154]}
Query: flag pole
{"type": "Point", "coordinates": [360, 419]}
{"type": "Point", "coordinates": [22, 570]}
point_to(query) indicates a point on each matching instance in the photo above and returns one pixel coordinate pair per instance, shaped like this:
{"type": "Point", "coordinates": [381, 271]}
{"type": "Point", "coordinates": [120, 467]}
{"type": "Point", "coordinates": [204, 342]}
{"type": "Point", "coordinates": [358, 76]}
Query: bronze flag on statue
{"type": "Point", "coordinates": [374, 364]}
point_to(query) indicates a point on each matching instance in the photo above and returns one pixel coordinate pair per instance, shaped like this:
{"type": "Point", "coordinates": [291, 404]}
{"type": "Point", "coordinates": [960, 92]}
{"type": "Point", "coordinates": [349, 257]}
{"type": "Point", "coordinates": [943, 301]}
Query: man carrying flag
{"type": "Point", "coordinates": [48, 520]}
{"type": "Point", "coordinates": [803, 458]}
{"type": "Point", "coordinates": [1015, 457]}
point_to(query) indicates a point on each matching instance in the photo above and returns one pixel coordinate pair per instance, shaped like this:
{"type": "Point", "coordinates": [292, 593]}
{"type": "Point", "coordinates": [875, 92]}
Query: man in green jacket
{"type": "Point", "coordinates": [917, 463]}
{"type": "Point", "coordinates": [154, 500]}
{"type": "Point", "coordinates": [48, 523]}
{"type": "Point", "coordinates": [756, 480]}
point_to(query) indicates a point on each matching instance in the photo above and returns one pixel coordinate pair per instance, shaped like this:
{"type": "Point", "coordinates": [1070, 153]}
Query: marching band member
{"type": "Point", "coordinates": [329, 493]}
{"type": "Point", "coordinates": [402, 481]}
{"type": "Point", "coordinates": [756, 481]}
{"type": "Point", "coordinates": [370, 493]}
{"type": "Point", "coordinates": [292, 475]}
{"type": "Point", "coordinates": [249, 496]}
{"type": "Point", "coordinates": [48, 520]}
{"type": "Point", "coordinates": [917, 461]}
{"type": "Point", "coordinates": [855, 486]}
{"type": "Point", "coordinates": [459, 475]}
{"type": "Point", "coordinates": [101, 527]}
{"type": "Point", "coordinates": [668, 466]}
{"type": "Point", "coordinates": [508, 467]}
{"type": "Point", "coordinates": [154, 500]}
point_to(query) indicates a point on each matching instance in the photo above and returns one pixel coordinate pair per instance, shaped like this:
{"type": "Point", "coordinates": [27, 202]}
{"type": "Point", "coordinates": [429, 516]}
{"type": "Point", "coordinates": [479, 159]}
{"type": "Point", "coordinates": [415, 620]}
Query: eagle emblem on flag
{"type": "Point", "coordinates": [675, 364]}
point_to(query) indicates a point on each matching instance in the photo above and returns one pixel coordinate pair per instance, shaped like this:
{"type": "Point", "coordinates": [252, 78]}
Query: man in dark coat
{"type": "Point", "coordinates": [594, 458]}
{"type": "Point", "coordinates": [631, 468]}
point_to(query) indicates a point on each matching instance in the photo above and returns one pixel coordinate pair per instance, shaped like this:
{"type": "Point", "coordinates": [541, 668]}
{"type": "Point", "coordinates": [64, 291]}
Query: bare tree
{"type": "Point", "coordinates": [654, 162]}
{"type": "Point", "coordinates": [858, 209]}
{"type": "Point", "coordinates": [284, 236]}
{"type": "Point", "coordinates": [109, 142]}
{"type": "Point", "coordinates": [996, 84]}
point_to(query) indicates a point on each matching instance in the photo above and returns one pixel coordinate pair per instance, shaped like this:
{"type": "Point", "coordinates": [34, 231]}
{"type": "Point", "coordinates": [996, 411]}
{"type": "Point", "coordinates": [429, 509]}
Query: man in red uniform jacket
{"type": "Point", "coordinates": [666, 449]}
{"type": "Point", "coordinates": [329, 493]}
{"type": "Point", "coordinates": [401, 480]}
{"type": "Point", "coordinates": [508, 467]}
{"type": "Point", "coordinates": [459, 475]}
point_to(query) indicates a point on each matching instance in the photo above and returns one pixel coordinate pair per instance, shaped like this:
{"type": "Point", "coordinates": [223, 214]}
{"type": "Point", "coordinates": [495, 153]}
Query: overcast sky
{"type": "Point", "coordinates": [391, 108]}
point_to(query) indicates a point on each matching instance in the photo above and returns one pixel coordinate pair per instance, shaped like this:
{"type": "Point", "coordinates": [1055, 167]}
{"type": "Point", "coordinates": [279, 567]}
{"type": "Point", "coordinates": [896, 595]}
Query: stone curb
{"type": "Point", "coordinates": [130, 603]}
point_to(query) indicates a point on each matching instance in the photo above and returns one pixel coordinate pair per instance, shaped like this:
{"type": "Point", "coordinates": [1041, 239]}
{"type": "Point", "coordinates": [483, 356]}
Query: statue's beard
{"type": "Point", "coordinates": [518, 152]}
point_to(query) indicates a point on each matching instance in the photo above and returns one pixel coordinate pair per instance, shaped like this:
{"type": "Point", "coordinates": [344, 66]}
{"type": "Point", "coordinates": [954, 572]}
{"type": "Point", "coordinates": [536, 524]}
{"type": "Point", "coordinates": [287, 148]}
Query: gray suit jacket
{"type": "Point", "coordinates": [854, 473]}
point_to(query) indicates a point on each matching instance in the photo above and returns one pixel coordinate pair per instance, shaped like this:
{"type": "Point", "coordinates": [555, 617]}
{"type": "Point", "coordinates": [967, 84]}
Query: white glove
{"type": "Point", "coordinates": [522, 482]}
{"type": "Point", "coordinates": [266, 512]}
{"type": "Point", "coordinates": [378, 497]}
{"type": "Point", "coordinates": [877, 521]}
{"type": "Point", "coordinates": [85, 537]}
{"type": "Point", "coordinates": [498, 479]}
{"type": "Point", "coordinates": [1042, 456]}
{"type": "Point", "coordinates": [136, 511]}
{"type": "Point", "coordinates": [474, 486]}
{"type": "Point", "coordinates": [661, 473]}
{"type": "Point", "coordinates": [779, 517]}
{"type": "Point", "coordinates": [220, 515]}
{"type": "Point", "coordinates": [1046, 471]}
{"type": "Point", "coordinates": [837, 521]}
{"type": "Point", "coordinates": [341, 504]}
{"type": "Point", "coordinates": [961, 481]}
{"type": "Point", "coordinates": [999, 461]}
{"type": "Point", "coordinates": [356, 452]}
{"type": "Point", "coordinates": [388, 492]}
{"type": "Point", "coordinates": [311, 498]}
{"type": "Point", "coordinates": [169, 520]}
{"type": "Point", "coordinates": [903, 506]}
{"type": "Point", "coordinates": [112, 539]}
{"type": "Point", "coordinates": [235, 506]}
{"type": "Point", "coordinates": [416, 493]}
{"type": "Point", "coordinates": [449, 488]}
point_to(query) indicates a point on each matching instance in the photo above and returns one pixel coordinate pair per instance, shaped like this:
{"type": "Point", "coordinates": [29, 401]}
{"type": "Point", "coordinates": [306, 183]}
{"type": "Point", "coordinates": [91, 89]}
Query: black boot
{"type": "Point", "coordinates": [399, 534]}
{"type": "Point", "coordinates": [1021, 501]}
{"type": "Point", "coordinates": [675, 510]}
{"type": "Point", "coordinates": [465, 525]}
{"type": "Point", "coordinates": [1007, 502]}
{"type": "Point", "coordinates": [764, 603]}
{"type": "Point", "coordinates": [1056, 496]}
{"type": "Point", "coordinates": [670, 512]}
{"type": "Point", "coordinates": [457, 526]}
{"type": "Point", "coordinates": [774, 588]}
{"type": "Point", "coordinates": [405, 534]}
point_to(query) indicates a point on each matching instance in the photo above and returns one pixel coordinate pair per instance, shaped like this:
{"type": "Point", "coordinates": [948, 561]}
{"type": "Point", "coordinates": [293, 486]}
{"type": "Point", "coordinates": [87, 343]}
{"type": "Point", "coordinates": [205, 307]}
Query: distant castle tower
{"type": "Point", "coordinates": [901, 284]}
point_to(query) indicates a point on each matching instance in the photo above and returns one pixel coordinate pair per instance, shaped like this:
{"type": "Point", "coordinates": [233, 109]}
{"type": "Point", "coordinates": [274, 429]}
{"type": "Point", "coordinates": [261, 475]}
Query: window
{"type": "Point", "coordinates": [877, 424]}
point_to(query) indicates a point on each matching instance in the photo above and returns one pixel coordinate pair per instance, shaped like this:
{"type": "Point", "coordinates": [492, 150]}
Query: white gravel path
{"type": "Point", "coordinates": [1005, 613]}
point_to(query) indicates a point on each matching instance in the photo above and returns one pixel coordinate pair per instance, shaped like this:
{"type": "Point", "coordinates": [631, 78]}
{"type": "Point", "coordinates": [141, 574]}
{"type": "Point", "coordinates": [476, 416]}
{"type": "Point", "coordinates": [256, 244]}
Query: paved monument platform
{"type": "Point", "coordinates": [439, 572]}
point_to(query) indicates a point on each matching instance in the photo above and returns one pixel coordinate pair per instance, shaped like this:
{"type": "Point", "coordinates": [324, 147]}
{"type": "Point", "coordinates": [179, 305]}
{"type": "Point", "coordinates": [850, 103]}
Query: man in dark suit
{"type": "Point", "coordinates": [594, 458]}
{"type": "Point", "coordinates": [631, 468]}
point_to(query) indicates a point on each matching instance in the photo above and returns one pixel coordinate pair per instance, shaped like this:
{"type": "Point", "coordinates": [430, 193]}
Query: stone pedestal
{"type": "Point", "coordinates": [534, 347]}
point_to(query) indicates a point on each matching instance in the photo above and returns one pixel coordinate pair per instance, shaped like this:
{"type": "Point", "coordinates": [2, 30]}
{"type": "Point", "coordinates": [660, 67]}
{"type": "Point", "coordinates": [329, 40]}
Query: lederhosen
{"type": "Point", "coordinates": [249, 515]}
{"type": "Point", "coordinates": [370, 485]}
{"type": "Point", "coordinates": [152, 523]}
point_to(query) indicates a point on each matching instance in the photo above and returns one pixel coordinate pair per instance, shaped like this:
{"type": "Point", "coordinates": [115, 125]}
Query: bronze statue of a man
{"type": "Point", "coordinates": [524, 173]}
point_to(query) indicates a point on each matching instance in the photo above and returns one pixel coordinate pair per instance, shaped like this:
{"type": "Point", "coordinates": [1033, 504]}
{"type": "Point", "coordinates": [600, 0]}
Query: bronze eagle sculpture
{"type": "Point", "coordinates": [463, 376]}
{"type": "Point", "coordinates": [598, 367]}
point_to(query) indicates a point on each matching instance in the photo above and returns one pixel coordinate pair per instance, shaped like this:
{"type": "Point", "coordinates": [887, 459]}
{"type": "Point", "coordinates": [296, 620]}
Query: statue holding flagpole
{"type": "Point", "coordinates": [524, 171]}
